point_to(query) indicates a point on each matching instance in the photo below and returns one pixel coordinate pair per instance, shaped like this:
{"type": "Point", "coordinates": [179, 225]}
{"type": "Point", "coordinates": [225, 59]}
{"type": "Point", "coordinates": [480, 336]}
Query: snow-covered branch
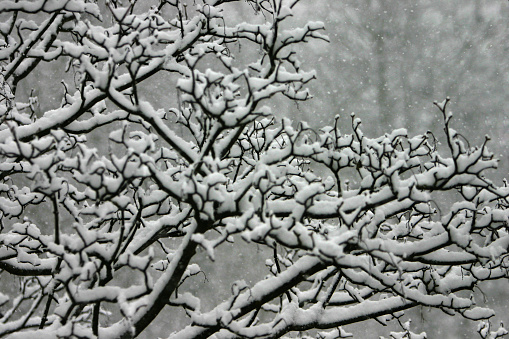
{"type": "Point", "coordinates": [108, 197]}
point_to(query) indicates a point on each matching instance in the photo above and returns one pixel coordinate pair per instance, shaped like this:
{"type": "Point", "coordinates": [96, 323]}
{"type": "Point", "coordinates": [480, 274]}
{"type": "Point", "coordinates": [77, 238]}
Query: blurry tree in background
{"type": "Point", "coordinates": [117, 197]}
{"type": "Point", "coordinates": [393, 56]}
